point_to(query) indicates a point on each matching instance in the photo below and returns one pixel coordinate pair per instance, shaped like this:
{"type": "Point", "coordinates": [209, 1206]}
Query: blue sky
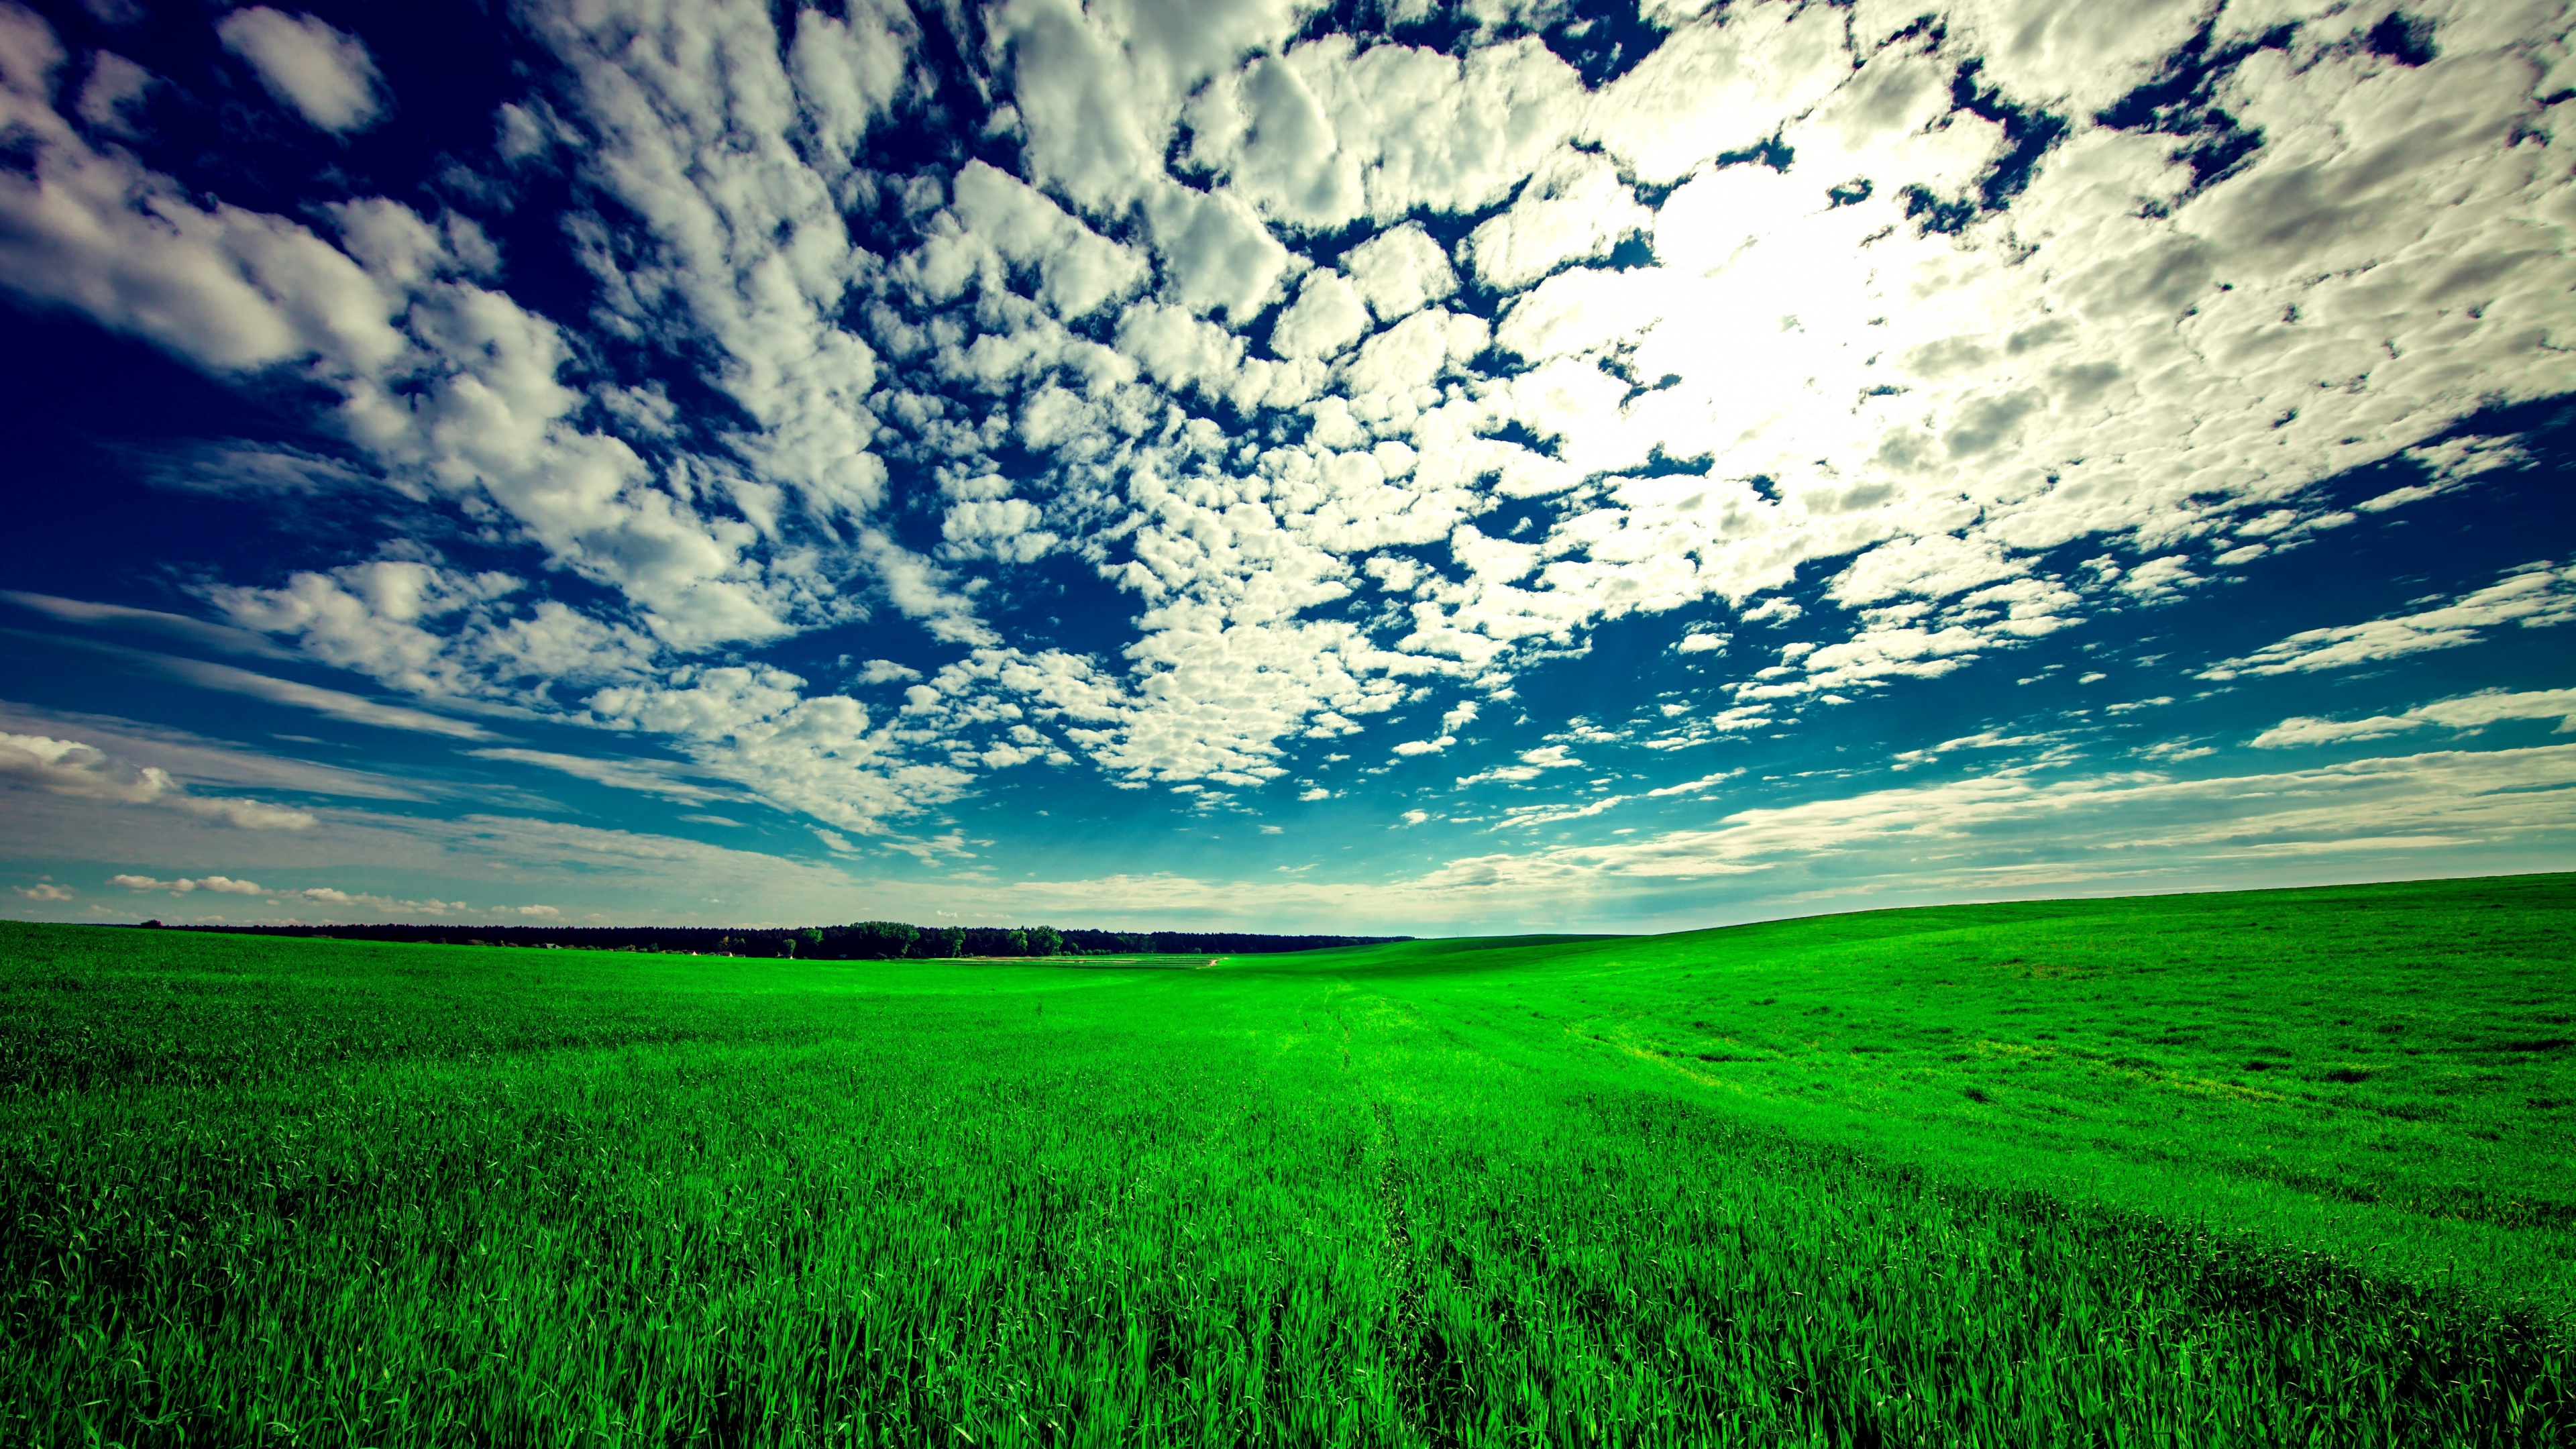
{"type": "Point", "coordinates": [1248, 465]}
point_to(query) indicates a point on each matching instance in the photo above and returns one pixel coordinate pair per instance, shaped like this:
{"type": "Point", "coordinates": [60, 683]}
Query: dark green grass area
{"type": "Point", "coordinates": [1995, 1175]}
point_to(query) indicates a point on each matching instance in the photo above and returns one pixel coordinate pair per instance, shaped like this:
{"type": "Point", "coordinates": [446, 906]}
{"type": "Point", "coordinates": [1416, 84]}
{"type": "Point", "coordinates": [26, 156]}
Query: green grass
{"type": "Point", "coordinates": [2261, 1169]}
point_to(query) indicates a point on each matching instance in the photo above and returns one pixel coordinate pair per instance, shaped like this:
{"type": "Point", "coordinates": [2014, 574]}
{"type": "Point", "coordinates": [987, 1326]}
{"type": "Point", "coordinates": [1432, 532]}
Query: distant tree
{"type": "Point", "coordinates": [873, 940]}
{"type": "Point", "coordinates": [879, 940]}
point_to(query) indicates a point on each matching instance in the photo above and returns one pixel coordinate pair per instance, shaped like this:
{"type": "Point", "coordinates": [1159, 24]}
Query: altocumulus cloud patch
{"type": "Point", "coordinates": [877, 415]}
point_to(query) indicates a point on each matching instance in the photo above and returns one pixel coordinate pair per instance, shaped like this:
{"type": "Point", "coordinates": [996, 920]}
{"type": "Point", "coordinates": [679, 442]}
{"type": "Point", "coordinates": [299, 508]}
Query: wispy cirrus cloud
{"type": "Point", "coordinates": [148, 621]}
{"type": "Point", "coordinates": [2469, 712]}
{"type": "Point", "coordinates": [2039, 830]}
{"type": "Point", "coordinates": [82, 771]}
{"type": "Point", "coordinates": [193, 759]}
{"type": "Point", "coordinates": [293, 694]}
{"type": "Point", "coordinates": [2535, 596]}
{"type": "Point", "coordinates": [666, 779]}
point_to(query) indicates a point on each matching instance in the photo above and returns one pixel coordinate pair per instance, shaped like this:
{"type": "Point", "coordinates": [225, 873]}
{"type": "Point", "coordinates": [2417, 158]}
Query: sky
{"type": "Point", "coordinates": [1236, 464]}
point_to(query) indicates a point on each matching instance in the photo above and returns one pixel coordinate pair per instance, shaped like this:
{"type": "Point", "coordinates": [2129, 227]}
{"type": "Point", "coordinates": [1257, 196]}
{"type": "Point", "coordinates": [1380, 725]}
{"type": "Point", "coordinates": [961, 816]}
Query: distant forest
{"type": "Point", "coordinates": [861, 941]}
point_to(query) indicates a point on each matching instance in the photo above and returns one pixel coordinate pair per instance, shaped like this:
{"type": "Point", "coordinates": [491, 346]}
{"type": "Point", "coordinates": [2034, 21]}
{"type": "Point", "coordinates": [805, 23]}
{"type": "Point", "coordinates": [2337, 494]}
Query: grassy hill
{"type": "Point", "coordinates": [2253, 1168]}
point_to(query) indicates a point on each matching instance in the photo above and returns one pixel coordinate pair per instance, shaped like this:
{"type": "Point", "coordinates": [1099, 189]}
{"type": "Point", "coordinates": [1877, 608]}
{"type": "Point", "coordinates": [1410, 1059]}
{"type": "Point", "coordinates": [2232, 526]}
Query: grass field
{"type": "Point", "coordinates": [2258, 1169]}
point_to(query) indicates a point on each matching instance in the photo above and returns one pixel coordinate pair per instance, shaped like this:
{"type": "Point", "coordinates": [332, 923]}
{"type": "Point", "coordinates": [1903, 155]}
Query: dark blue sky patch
{"type": "Point", "coordinates": [2029, 132]}
{"type": "Point", "coordinates": [2182, 102]}
{"type": "Point", "coordinates": [2403, 38]}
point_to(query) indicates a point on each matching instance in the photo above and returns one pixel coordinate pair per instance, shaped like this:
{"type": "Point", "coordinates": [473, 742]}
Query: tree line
{"type": "Point", "coordinates": [858, 941]}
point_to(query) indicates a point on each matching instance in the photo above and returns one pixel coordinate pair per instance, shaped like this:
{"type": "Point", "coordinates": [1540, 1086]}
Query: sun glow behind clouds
{"type": "Point", "coordinates": [1357, 376]}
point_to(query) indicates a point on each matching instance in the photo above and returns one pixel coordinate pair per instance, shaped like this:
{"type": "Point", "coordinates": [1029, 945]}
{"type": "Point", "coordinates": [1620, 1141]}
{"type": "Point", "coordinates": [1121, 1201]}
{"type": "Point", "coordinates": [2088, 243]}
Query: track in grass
{"type": "Point", "coordinates": [2004, 1175]}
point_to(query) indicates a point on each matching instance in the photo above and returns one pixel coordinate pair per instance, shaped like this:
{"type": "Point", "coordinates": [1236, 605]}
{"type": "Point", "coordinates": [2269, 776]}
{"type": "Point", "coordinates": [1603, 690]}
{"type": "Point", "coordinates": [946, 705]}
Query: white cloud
{"type": "Point", "coordinates": [1328, 317]}
{"type": "Point", "coordinates": [1329, 132]}
{"type": "Point", "coordinates": [448, 864]}
{"type": "Point", "coordinates": [997, 222]}
{"type": "Point", "coordinates": [2174, 752]}
{"type": "Point", "coordinates": [2469, 712]}
{"type": "Point", "coordinates": [226, 289]}
{"type": "Point", "coordinates": [114, 87]}
{"type": "Point", "coordinates": [2449, 465]}
{"type": "Point", "coordinates": [450, 387]}
{"type": "Point", "coordinates": [333, 703]}
{"type": "Point", "coordinates": [2535, 596]}
{"type": "Point", "coordinates": [2027, 834]}
{"type": "Point", "coordinates": [1712, 88]}
{"type": "Point", "coordinates": [820, 755]}
{"type": "Point", "coordinates": [1574, 209]}
{"type": "Point", "coordinates": [1099, 87]}
{"type": "Point", "coordinates": [150, 621]}
{"type": "Point", "coordinates": [78, 770]}
{"type": "Point", "coordinates": [328, 896]}
{"type": "Point", "coordinates": [2301, 730]}
{"type": "Point", "coordinates": [998, 528]}
{"type": "Point", "coordinates": [1217, 256]}
{"type": "Point", "coordinates": [2082, 59]}
{"type": "Point", "coordinates": [441, 633]}
{"type": "Point", "coordinates": [326, 75]}
{"type": "Point", "coordinates": [1990, 740]}
{"type": "Point", "coordinates": [650, 777]}
{"type": "Point", "coordinates": [1532, 816]}
{"type": "Point", "coordinates": [2031, 832]}
{"type": "Point", "coordinates": [1933, 568]}
{"type": "Point", "coordinates": [741, 229]}
{"type": "Point", "coordinates": [1692, 787]}
{"type": "Point", "coordinates": [46, 891]}
{"type": "Point", "coordinates": [850, 70]}
{"type": "Point", "coordinates": [219, 885]}
{"type": "Point", "coordinates": [238, 468]}
{"type": "Point", "coordinates": [195, 760]}
{"type": "Point", "coordinates": [287, 692]}
{"type": "Point", "coordinates": [1532, 764]}
{"type": "Point", "coordinates": [1399, 272]}
{"type": "Point", "coordinates": [2493, 706]}
{"type": "Point", "coordinates": [2158, 578]}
